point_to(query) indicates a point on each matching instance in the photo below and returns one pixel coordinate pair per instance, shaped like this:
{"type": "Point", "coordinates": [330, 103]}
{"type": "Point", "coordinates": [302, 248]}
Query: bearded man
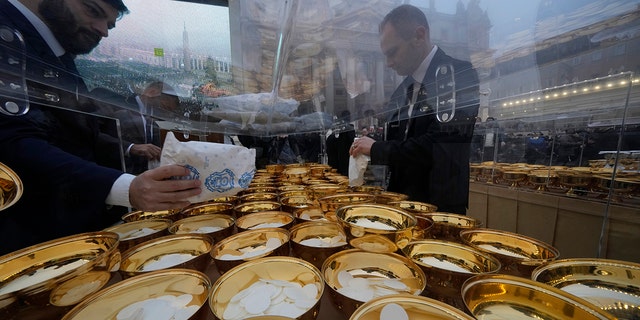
{"type": "Point", "coordinates": [56, 148]}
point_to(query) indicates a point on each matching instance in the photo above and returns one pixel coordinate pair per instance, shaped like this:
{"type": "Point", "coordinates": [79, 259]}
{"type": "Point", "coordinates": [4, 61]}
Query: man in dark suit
{"type": "Point", "coordinates": [431, 120]}
{"type": "Point", "coordinates": [56, 148]}
{"type": "Point", "coordinates": [140, 134]}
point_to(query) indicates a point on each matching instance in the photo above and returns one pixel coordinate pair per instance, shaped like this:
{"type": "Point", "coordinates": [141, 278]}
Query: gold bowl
{"type": "Point", "coordinates": [385, 197]}
{"type": "Point", "coordinates": [136, 232]}
{"type": "Point", "coordinates": [274, 286]}
{"type": "Point", "coordinates": [275, 168]}
{"type": "Point", "coordinates": [329, 204]}
{"type": "Point", "coordinates": [447, 265]}
{"type": "Point", "coordinates": [314, 241]}
{"type": "Point", "coordinates": [501, 296]}
{"type": "Point", "coordinates": [233, 200]}
{"type": "Point", "coordinates": [354, 277]}
{"type": "Point", "coordinates": [217, 226]}
{"type": "Point", "coordinates": [375, 227]}
{"type": "Point", "coordinates": [255, 206]}
{"type": "Point", "coordinates": [207, 208]}
{"type": "Point", "coordinates": [46, 280]}
{"type": "Point", "coordinates": [173, 215]}
{"type": "Point", "coordinates": [313, 213]}
{"type": "Point", "coordinates": [293, 203]}
{"type": "Point", "coordinates": [612, 285]}
{"type": "Point", "coordinates": [541, 179]}
{"type": "Point", "coordinates": [265, 219]}
{"type": "Point", "coordinates": [11, 187]}
{"type": "Point", "coordinates": [517, 253]}
{"type": "Point", "coordinates": [515, 177]}
{"type": "Point", "coordinates": [249, 245]}
{"type": "Point", "coordinates": [574, 179]}
{"type": "Point", "coordinates": [291, 187]}
{"type": "Point", "coordinates": [415, 307]}
{"type": "Point", "coordinates": [295, 193]}
{"type": "Point", "coordinates": [189, 251]}
{"type": "Point", "coordinates": [447, 226]}
{"type": "Point", "coordinates": [268, 286]}
{"type": "Point", "coordinates": [320, 190]}
{"type": "Point", "coordinates": [296, 174]}
{"type": "Point", "coordinates": [181, 293]}
{"type": "Point", "coordinates": [414, 206]}
{"type": "Point", "coordinates": [367, 189]}
{"type": "Point", "coordinates": [262, 196]}
{"type": "Point", "coordinates": [260, 189]}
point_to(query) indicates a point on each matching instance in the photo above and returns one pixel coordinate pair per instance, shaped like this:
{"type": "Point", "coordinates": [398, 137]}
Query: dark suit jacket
{"type": "Point", "coordinates": [55, 152]}
{"type": "Point", "coordinates": [431, 164]}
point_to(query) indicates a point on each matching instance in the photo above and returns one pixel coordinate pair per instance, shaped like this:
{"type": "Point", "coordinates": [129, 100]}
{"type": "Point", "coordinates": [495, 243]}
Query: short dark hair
{"type": "Point", "coordinates": [405, 18]}
{"type": "Point", "coordinates": [118, 5]}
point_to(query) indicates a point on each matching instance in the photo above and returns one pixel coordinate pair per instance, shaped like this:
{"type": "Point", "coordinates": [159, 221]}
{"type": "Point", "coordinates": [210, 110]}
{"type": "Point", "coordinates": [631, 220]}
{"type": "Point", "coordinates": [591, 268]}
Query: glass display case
{"type": "Point", "coordinates": [558, 85]}
{"type": "Point", "coordinates": [552, 114]}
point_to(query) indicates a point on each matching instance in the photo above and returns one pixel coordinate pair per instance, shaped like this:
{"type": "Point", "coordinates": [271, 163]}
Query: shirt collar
{"type": "Point", "coordinates": [421, 71]}
{"type": "Point", "coordinates": [41, 27]}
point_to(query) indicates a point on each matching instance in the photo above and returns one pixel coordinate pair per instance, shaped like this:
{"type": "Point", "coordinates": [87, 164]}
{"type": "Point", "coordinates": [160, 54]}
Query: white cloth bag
{"type": "Point", "coordinates": [224, 169]}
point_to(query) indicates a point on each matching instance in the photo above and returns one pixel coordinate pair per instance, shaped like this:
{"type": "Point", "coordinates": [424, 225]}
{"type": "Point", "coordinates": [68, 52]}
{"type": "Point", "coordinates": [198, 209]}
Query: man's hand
{"type": "Point", "coordinates": [361, 146]}
{"type": "Point", "coordinates": [153, 190]}
{"type": "Point", "coordinates": [148, 150]}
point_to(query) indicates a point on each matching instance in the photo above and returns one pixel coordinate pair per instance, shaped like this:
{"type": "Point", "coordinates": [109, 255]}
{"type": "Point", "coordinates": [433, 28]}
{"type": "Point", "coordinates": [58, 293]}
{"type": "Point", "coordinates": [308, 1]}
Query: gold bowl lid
{"type": "Point", "coordinates": [612, 285]}
{"type": "Point", "coordinates": [392, 307]}
{"type": "Point", "coordinates": [11, 187]}
{"type": "Point", "coordinates": [499, 296]}
{"type": "Point", "coordinates": [180, 293]}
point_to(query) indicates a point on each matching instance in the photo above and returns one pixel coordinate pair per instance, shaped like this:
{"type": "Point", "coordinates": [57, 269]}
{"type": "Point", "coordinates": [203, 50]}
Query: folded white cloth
{"type": "Point", "coordinates": [224, 169]}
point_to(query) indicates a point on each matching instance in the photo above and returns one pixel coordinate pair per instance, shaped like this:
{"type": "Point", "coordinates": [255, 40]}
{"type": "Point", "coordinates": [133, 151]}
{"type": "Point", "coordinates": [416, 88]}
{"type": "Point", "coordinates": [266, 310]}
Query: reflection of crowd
{"type": "Point", "coordinates": [566, 147]}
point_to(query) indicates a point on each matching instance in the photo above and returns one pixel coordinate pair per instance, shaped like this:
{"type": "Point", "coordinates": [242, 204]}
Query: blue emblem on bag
{"type": "Point", "coordinates": [246, 178]}
{"type": "Point", "coordinates": [193, 175]}
{"type": "Point", "coordinates": [220, 181]}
